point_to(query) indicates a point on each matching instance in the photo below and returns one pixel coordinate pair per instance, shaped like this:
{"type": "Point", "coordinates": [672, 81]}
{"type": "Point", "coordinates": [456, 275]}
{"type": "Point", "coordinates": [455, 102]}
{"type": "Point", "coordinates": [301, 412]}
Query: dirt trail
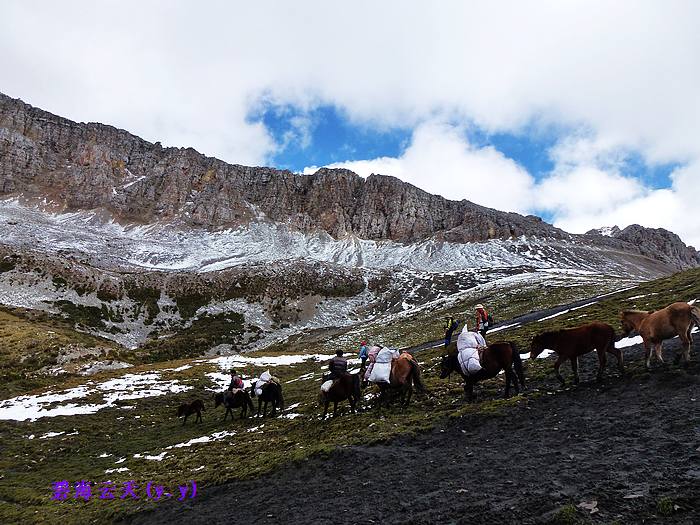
{"type": "Point", "coordinates": [523, 319]}
{"type": "Point", "coordinates": [625, 443]}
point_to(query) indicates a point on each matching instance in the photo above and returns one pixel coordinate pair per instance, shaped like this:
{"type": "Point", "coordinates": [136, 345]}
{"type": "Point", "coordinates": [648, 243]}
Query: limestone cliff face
{"type": "Point", "coordinates": [78, 166]}
{"type": "Point", "coordinates": [88, 166]}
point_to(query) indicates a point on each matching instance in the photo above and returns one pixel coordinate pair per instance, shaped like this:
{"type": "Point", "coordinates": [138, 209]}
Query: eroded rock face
{"type": "Point", "coordinates": [87, 166]}
{"type": "Point", "coordinates": [661, 244]}
{"type": "Point", "coordinates": [77, 166]}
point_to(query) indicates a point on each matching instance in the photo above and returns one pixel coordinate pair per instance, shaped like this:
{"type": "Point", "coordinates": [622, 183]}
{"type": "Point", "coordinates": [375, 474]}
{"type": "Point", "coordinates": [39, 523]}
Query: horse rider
{"type": "Point", "coordinates": [236, 381]}
{"type": "Point", "coordinates": [450, 326]}
{"type": "Point", "coordinates": [337, 366]}
{"type": "Point", "coordinates": [468, 346]}
{"type": "Point", "coordinates": [364, 352]}
{"type": "Point", "coordinates": [482, 320]}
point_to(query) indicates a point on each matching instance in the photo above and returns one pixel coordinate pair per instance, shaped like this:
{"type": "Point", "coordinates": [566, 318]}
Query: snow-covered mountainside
{"type": "Point", "coordinates": [137, 242]}
{"type": "Point", "coordinates": [129, 282]}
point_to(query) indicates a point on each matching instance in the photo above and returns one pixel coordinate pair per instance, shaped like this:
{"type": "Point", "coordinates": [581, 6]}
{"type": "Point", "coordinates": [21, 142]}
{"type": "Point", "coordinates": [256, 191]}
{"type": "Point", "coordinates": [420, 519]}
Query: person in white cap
{"type": "Point", "coordinates": [482, 320]}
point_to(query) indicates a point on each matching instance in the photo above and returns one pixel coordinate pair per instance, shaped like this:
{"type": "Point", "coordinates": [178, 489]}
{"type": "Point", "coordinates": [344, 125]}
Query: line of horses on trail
{"type": "Point", "coordinates": [677, 319]}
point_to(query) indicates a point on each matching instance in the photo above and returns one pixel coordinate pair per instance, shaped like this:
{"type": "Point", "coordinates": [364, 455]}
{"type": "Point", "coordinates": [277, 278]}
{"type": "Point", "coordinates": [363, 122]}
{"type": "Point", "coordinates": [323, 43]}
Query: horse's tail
{"type": "Point", "coordinates": [248, 401]}
{"type": "Point", "coordinates": [517, 363]}
{"type": "Point", "coordinates": [356, 386]}
{"type": "Point", "coordinates": [695, 315]}
{"type": "Point", "coordinates": [415, 375]}
{"type": "Point", "coordinates": [280, 397]}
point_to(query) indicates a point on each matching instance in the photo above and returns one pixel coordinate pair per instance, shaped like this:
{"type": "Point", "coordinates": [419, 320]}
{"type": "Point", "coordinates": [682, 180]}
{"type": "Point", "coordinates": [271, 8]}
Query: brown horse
{"type": "Point", "coordinates": [345, 387]}
{"type": "Point", "coordinates": [238, 399]}
{"type": "Point", "coordinates": [497, 356]}
{"type": "Point", "coordinates": [677, 319]}
{"type": "Point", "coordinates": [570, 343]}
{"type": "Point", "coordinates": [187, 409]}
{"type": "Point", "coordinates": [405, 374]}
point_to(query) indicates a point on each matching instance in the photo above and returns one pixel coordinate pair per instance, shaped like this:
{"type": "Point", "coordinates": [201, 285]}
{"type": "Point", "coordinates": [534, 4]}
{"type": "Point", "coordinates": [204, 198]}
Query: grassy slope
{"type": "Point", "coordinates": [30, 340]}
{"type": "Point", "coordinates": [29, 466]}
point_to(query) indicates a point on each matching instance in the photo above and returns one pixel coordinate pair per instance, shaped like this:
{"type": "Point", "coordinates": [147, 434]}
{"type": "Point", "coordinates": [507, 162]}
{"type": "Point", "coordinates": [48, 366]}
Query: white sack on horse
{"type": "Point", "coordinates": [467, 351]}
{"type": "Point", "coordinates": [265, 377]}
{"type": "Point", "coordinates": [381, 371]}
{"type": "Point", "coordinates": [371, 357]}
{"type": "Point", "coordinates": [326, 386]}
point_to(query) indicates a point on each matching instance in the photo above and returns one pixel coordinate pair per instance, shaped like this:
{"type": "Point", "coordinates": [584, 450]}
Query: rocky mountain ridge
{"type": "Point", "coordinates": [134, 241]}
{"type": "Point", "coordinates": [75, 166]}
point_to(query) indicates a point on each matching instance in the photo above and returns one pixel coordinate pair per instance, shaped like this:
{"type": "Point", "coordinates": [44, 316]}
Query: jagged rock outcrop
{"type": "Point", "coordinates": [661, 244]}
{"type": "Point", "coordinates": [77, 166]}
{"type": "Point", "coordinates": [88, 166]}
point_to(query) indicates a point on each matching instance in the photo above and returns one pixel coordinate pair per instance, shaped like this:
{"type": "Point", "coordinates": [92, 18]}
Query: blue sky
{"type": "Point", "coordinates": [586, 113]}
{"type": "Point", "coordinates": [329, 136]}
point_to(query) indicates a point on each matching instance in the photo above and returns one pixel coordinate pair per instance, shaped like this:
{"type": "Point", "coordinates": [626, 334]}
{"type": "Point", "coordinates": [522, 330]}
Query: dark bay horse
{"type": "Point", "coordinates": [238, 399]}
{"type": "Point", "coordinates": [345, 387]}
{"type": "Point", "coordinates": [569, 343]}
{"type": "Point", "coordinates": [405, 374]}
{"type": "Point", "coordinates": [187, 409]}
{"type": "Point", "coordinates": [677, 319]}
{"type": "Point", "coordinates": [497, 356]}
{"type": "Point", "coordinates": [271, 393]}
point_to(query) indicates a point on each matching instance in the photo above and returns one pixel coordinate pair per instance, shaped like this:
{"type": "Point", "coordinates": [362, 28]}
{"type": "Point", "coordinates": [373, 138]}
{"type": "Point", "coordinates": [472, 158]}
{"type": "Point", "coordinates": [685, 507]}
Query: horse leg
{"type": "Point", "coordinates": [335, 408]}
{"type": "Point", "coordinates": [353, 404]}
{"type": "Point", "coordinates": [508, 372]}
{"type": "Point", "coordinates": [602, 360]}
{"type": "Point", "coordinates": [658, 350]}
{"type": "Point", "coordinates": [557, 364]}
{"type": "Point", "coordinates": [574, 369]}
{"type": "Point", "coordinates": [185, 420]}
{"type": "Point", "coordinates": [647, 354]}
{"type": "Point", "coordinates": [325, 407]}
{"type": "Point", "coordinates": [409, 394]}
{"type": "Point", "coordinates": [685, 346]}
{"type": "Point", "coordinates": [199, 417]}
{"type": "Point", "coordinates": [259, 406]}
{"type": "Point", "coordinates": [469, 390]}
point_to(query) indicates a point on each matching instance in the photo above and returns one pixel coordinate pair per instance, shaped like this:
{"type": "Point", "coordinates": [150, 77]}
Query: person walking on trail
{"type": "Point", "coordinates": [482, 320]}
{"type": "Point", "coordinates": [450, 326]}
{"type": "Point", "coordinates": [337, 366]}
{"type": "Point", "coordinates": [364, 353]}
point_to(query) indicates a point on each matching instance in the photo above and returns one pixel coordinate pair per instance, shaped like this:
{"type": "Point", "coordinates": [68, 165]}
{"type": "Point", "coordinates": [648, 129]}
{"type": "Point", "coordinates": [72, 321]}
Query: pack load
{"type": "Point", "coordinates": [371, 357]}
{"type": "Point", "coordinates": [468, 344]}
{"type": "Point", "coordinates": [381, 371]}
{"type": "Point", "coordinates": [469, 360]}
{"type": "Point", "coordinates": [326, 386]}
{"type": "Point", "coordinates": [265, 377]}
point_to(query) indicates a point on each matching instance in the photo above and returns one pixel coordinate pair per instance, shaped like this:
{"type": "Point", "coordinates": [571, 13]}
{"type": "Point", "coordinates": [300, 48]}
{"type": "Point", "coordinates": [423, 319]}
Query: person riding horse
{"type": "Point", "coordinates": [236, 381]}
{"type": "Point", "coordinates": [337, 367]}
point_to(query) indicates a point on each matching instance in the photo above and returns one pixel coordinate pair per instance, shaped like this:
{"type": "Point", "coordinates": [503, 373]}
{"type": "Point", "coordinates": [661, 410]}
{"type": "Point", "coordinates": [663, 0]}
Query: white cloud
{"type": "Point", "coordinates": [584, 191]}
{"type": "Point", "coordinates": [189, 74]}
{"type": "Point", "coordinates": [440, 160]}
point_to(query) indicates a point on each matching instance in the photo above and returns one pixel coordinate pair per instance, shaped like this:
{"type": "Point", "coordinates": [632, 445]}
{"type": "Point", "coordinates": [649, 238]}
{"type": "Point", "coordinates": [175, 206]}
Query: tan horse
{"type": "Point", "coordinates": [405, 374]}
{"type": "Point", "coordinates": [676, 319]}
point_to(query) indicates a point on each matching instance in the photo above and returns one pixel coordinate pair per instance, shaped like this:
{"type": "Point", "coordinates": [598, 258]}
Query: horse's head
{"type": "Point", "coordinates": [181, 410]}
{"type": "Point", "coordinates": [537, 346]}
{"type": "Point", "coordinates": [629, 320]}
{"type": "Point", "coordinates": [218, 399]}
{"type": "Point", "coordinates": [446, 365]}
